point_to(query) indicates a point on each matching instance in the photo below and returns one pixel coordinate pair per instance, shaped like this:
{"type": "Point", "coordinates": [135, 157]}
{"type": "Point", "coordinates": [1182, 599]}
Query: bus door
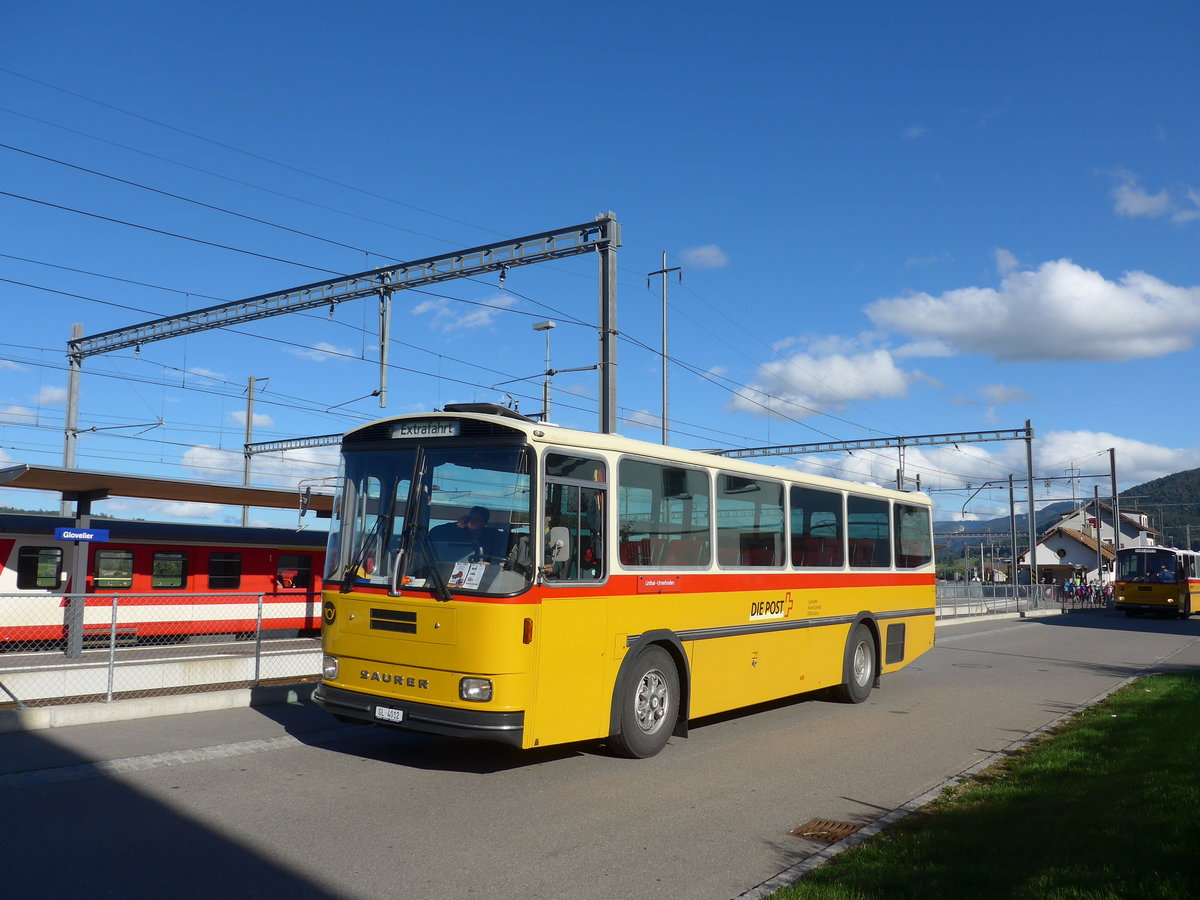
{"type": "Point", "coordinates": [573, 641]}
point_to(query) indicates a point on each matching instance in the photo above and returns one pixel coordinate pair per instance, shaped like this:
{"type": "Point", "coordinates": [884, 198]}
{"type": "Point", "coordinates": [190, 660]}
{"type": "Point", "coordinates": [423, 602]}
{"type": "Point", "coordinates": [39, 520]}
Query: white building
{"type": "Point", "coordinates": [1082, 542]}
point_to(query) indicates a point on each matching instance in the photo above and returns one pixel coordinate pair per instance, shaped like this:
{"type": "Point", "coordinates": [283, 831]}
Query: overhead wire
{"type": "Point", "coordinates": [694, 370]}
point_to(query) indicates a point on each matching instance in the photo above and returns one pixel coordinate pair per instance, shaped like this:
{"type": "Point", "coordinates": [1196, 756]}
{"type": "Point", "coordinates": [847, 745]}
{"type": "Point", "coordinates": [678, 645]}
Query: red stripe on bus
{"type": "Point", "coordinates": [693, 583]}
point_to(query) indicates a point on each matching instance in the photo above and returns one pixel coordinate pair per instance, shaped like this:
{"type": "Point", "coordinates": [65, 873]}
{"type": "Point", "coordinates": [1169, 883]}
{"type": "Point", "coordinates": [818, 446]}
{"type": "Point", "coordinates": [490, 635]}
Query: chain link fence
{"type": "Point", "coordinates": [57, 648]}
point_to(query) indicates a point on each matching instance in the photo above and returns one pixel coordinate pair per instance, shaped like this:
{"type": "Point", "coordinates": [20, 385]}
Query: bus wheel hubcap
{"type": "Point", "coordinates": [650, 703]}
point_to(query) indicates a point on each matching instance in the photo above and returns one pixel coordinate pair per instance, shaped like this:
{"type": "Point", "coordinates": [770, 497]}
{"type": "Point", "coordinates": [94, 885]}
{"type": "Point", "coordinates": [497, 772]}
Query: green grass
{"type": "Point", "coordinates": [1105, 806]}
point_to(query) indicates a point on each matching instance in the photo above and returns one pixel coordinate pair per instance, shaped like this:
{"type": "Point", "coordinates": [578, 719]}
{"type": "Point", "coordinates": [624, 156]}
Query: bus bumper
{"type": "Point", "coordinates": [502, 727]}
{"type": "Point", "coordinates": [1170, 608]}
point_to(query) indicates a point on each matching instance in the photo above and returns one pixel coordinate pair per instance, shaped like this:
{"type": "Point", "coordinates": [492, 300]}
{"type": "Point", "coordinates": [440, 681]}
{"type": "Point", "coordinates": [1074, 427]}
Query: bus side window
{"type": "Point", "coordinates": [663, 515]}
{"type": "Point", "coordinates": [914, 541]}
{"type": "Point", "coordinates": [869, 529]}
{"type": "Point", "coordinates": [749, 521]}
{"type": "Point", "coordinates": [573, 540]}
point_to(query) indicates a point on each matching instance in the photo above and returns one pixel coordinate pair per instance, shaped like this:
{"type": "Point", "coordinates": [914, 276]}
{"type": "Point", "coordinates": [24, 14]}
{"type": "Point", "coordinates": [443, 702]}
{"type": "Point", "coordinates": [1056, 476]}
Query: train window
{"type": "Point", "coordinates": [294, 571]}
{"type": "Point", "coordinates": [38, 567]}
{"type": "Point", "coordinates": [224, 571]}
{"type": "Point", "coordinates": [169, 570]}
{"type": "Point", "coordinates": [114, 569]}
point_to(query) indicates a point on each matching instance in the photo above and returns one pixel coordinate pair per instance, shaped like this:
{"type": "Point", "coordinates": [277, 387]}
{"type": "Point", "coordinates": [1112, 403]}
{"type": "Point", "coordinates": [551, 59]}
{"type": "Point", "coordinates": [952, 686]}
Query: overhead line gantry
{"type": "Point", "coordinates": [601, 236]}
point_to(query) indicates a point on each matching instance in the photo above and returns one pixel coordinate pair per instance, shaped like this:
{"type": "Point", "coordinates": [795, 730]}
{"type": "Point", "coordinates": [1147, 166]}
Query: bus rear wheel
{"type": "Point", "coordinates": [858, 668]}
{"type": "Point", "coordinates": [649, 706]}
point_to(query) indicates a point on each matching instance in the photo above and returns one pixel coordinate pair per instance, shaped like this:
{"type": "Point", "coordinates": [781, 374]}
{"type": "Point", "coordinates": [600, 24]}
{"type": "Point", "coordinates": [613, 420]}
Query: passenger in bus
{"type": "Point", "coordinates": [469, 535]}
{"type": "Point", "coordinates": [520, 555]}
{"type": "Point", "coordinates": [475, 520]}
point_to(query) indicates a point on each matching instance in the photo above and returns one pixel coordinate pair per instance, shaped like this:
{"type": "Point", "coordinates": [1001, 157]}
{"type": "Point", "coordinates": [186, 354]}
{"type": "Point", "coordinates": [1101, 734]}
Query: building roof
{"type": "Point", "coordinates": [80, 484]}
{"type": "Point", "coordinates": [1084, 539]}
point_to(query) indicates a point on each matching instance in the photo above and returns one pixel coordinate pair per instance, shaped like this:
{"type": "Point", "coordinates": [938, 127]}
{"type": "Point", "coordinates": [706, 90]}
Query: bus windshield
{"type": "Point", "coordinates": [1147, 566]}
{"type": "Point", "coordinates": [431, 518]}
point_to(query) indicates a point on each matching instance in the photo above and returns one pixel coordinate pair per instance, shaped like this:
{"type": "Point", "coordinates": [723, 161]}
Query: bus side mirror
{"type": "Point", "coordinates": [560, 544]}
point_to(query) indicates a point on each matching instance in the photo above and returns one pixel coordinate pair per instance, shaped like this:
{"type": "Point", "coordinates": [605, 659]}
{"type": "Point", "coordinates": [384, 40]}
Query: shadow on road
{"type": "Point", "coordinates": [71, 830]}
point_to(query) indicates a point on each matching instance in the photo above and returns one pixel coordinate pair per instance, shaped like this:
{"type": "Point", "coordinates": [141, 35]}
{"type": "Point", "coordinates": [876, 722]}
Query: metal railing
{"type": "Point", "coordinates": [141, 645]}
{"type": "Point", "coordinates": [958, 599]}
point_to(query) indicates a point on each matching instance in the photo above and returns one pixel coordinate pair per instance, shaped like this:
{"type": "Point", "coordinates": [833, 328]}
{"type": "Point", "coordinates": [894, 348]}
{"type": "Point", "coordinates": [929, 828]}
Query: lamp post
{"type": "Point", "coordinates": [547, 326]}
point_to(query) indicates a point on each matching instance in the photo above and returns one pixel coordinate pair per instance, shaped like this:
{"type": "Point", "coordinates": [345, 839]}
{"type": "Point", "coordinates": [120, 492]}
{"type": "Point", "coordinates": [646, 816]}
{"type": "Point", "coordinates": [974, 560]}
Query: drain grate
{"type": "Point", "coordinates": [825, 830]}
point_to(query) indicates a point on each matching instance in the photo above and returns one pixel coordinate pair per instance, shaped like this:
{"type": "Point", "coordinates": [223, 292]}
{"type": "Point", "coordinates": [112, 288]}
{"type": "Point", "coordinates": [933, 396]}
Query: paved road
{"type": "Point", "coordinates": [279, 801]}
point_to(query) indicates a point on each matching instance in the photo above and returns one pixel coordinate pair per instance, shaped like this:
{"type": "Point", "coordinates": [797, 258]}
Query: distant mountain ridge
{"type": "Point", "coordinates": [1172, 502]}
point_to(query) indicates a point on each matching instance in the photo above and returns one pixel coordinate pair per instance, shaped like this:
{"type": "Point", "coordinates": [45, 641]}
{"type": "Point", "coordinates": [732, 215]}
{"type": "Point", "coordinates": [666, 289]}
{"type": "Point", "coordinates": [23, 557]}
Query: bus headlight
{"type": "Point", "coordinates": [329, 667]}
{"type": "Point", "coordinates": [477, 690]}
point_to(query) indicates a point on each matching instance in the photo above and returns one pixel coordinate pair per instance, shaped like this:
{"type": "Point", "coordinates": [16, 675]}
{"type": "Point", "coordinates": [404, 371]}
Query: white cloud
{"type": "Point", "coordinates": [1004, 394]}
{"type": "Point", "coordinates": [993, 396]}
{"type": "Point", "coordinates": [641, 418]}
{"type": "Point", "coordinates": [1188, 214]}
{"type": "Point", "coordinates": [320, 352]}
{"type": "Point", "coordinates": [199, 372]}
{"type": "Point", "coordinates": [180, 509]}
{"type": "Point", "coordinates": [1005, 261]}
{"type": "Point", "coordinates": [914, 132]}
{"type": "Point", "coordinates": [925, 349]}
{"type": "Point", "coordinates": [447, 316]}
{"type": "Point", "coordinates": [17, 415]}
{"type": "Point", "coordinates": [977, 465]}
{"type": "Point", "coordinates": [807, 383]}
{"type": "Point", "coordinates": [1133, 201]}
{"type": "Point", "coordinates": [1137, 461]}
{"type": "Point", "coordinates": [936, 259]}
{"type": "Point", "coordinates": [11, 366]}
{"type": "Point", "coordinates": [710, 256]}
{"type": "Point", "coordinates": [283, 470]}
{"type": "Point", "coordinates": [1060, 311]}
{"type": "Point", "coordinates": [260, 419]}
{"type": "Point", "coordinates": [1129, 199]}
{"type": "Point", "coordinates": [50, 394]}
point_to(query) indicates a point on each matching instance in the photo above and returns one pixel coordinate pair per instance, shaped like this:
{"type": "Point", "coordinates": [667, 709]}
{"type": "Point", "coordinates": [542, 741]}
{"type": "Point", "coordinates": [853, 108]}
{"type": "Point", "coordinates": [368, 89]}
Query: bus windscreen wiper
{"type": "Point", "coordinates": [383, 525]}
{"type": "Point", "coordinates": [435, 573]}
{"type": "Point", "coordinates": [408, 535]}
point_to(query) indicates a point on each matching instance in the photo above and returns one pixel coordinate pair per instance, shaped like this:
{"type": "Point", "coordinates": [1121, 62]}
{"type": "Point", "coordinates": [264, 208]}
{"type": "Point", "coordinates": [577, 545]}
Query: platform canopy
{"type": "Point", "coordinates": [76, 484]}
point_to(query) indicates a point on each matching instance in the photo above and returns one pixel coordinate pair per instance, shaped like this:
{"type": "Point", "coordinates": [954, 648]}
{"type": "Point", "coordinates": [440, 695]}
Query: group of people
{"type": "Point", "coordinates": [1087, 593]}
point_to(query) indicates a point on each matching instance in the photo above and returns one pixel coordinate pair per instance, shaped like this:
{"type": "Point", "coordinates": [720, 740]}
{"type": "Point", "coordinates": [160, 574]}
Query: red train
{"type": "Point", "coordinates": [167, 579]}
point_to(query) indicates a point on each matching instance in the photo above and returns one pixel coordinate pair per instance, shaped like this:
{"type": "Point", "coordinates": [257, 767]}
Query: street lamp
{"type": "Point", "coordinates": [546, 326]}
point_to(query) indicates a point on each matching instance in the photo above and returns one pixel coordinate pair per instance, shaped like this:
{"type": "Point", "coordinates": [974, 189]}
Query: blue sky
{"type": "Point", "coordinates": [892, 219]}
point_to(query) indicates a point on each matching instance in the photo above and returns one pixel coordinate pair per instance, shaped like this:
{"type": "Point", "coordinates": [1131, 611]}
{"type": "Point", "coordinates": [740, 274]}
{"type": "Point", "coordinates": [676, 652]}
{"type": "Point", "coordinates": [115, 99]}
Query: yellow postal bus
{"type": "Point", "coordinates": [493, 577]}
{"type": "Point", "coordinates": [1159, 580]}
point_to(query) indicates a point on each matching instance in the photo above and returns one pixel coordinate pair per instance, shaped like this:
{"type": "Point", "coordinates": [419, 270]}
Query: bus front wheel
{"type": "Point", "coordinates": [649, 705]}
{"type": "Point", "coordinates": [858, 669]}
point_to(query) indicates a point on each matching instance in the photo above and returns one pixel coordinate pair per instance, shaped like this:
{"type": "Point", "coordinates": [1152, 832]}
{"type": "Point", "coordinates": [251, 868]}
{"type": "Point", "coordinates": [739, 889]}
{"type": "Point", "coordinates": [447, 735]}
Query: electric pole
{"type": "Point", "coordinates": [664, 272]}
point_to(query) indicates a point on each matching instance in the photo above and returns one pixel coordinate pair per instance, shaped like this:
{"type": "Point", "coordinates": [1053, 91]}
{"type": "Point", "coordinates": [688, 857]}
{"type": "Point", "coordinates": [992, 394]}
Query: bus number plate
{"type": "Point", "coordinates": [388, 714]}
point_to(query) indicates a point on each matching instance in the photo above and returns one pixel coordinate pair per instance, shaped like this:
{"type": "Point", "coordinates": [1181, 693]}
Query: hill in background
{"type": "Point", "coordinates": [1172, 502]}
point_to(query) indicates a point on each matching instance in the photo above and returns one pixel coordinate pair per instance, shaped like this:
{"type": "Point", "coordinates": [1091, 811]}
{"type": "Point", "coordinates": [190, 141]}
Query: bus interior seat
{"type": "Point", "coordinates": [862, 552]}
{"type": "Point", "coordinates": [682, 553]}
